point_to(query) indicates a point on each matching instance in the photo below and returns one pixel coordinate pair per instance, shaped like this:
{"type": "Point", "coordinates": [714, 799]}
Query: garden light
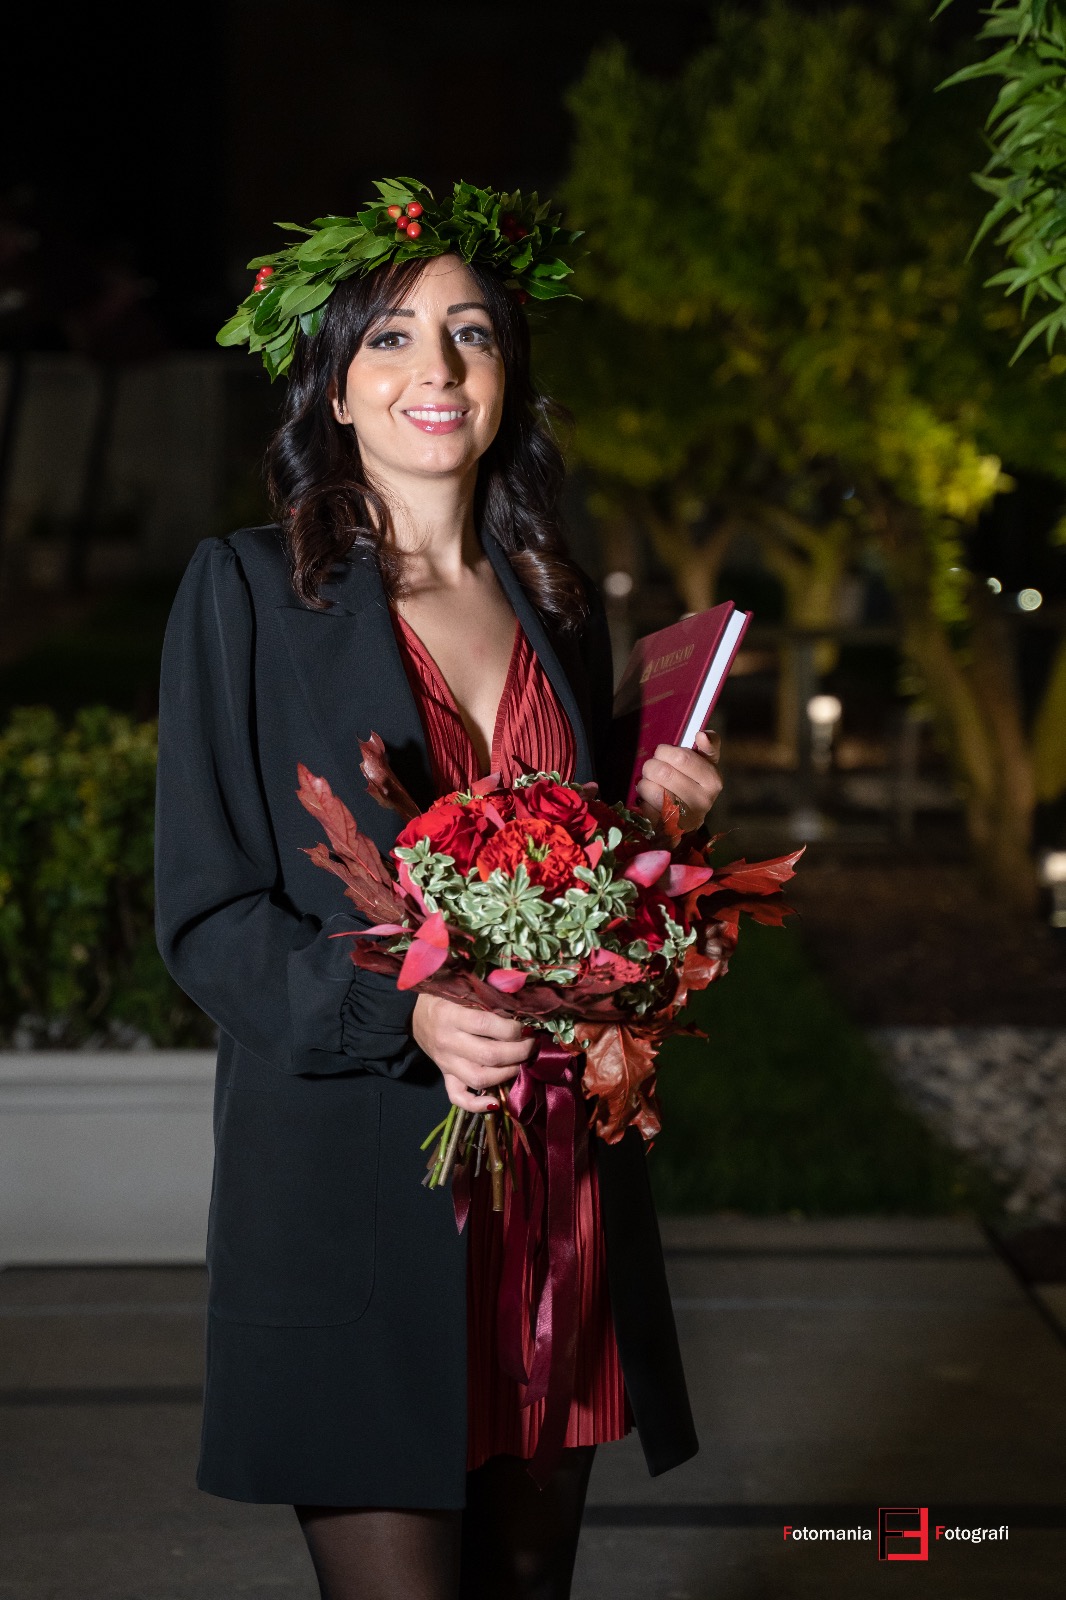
{"type": "Point", "coordinates": [1053, 877]}
{"type": "Point", "coordinates": [823, 713]}
{"type": "Point", "coordinates": [1030, 600]}
{"type": "Point", "coordinates": [618, 585]}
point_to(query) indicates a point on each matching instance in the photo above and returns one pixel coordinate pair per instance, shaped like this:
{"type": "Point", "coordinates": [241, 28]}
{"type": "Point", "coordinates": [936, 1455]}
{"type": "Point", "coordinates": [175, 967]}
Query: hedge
{"type": "Point", "coordinates": [78, 962]}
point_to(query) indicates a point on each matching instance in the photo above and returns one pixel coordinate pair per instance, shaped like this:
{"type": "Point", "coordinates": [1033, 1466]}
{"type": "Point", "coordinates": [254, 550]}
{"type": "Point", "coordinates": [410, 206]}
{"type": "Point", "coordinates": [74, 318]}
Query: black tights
{"type": "Point", "coordinates": [512, 1542]}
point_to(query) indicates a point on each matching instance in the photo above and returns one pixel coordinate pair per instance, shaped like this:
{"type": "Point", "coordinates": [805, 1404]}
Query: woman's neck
{"type": "Point", "coordinates": [433, 531]}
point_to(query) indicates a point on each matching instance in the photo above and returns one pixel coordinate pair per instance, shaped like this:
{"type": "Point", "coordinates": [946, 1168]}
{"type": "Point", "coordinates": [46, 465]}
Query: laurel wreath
{"type": "Point", "coordinates": [517, 236]}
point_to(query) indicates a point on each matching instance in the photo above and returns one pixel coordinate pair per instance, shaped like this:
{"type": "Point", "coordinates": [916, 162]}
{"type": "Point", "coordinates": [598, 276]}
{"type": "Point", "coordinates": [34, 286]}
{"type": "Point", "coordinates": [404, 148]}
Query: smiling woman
{"type": "Point", "coordinates": [365, 368]}
{"type": "Point", "coordinates": [416, 585]}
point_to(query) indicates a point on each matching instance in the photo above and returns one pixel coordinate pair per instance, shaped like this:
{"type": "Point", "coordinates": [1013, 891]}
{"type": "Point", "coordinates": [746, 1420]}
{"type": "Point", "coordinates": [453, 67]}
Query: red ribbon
{"type": "Point", "coordinates": [546, 1099]}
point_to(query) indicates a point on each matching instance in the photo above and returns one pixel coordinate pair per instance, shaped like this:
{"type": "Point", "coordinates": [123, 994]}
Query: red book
{"type": "Point", "coordinates": [670, 687]}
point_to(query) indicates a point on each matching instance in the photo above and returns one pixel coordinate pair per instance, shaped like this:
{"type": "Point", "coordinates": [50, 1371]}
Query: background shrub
{"type": "Point", "coordinates": [78, 961]}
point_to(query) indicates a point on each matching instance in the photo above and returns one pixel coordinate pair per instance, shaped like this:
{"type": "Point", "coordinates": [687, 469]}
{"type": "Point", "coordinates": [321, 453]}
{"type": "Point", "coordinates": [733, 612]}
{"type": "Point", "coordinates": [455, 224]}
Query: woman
{"type": "Point", "coordinates": [417, 586]}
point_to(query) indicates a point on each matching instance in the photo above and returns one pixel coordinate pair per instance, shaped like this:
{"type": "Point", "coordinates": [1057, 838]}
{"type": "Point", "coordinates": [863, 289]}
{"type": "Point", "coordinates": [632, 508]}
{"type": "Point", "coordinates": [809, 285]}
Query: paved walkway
{"type": "Point", "coordinates": [834, 1366]}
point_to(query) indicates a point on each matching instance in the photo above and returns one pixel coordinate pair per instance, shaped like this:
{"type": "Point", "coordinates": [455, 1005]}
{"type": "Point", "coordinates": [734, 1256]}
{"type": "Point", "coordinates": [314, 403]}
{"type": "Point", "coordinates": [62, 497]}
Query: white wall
{"type": "Point", "coordinates": [105, 1156]}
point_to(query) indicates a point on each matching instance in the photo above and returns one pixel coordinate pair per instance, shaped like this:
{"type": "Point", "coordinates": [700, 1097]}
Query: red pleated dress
{"type": "Point", "coordinates": [531, 727]}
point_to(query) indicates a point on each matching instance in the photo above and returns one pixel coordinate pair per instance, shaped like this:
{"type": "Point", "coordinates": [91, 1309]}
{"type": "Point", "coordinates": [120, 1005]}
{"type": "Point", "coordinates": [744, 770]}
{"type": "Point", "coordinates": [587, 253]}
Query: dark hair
{"type": "Point", "coordinates": [315, 475]}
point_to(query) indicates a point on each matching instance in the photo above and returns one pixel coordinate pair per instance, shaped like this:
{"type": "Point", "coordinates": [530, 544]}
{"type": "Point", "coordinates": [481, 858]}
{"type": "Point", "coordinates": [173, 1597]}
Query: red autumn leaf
{"type": "Point", "coordinates": [486, 784]}
{"type": "Point", "coordinates": [683, 880]}
{"type": "Point", "coordinates": [670, 819]}
{"type": "Point", "coordinates": [758, 877]}
{"type": "Point", "coordinates": [507, 980]}
{"type": "Point", "coordinates": [618, 1061]}
{"type": "Point", "coordinates": [428, 951]}
{"type": "Point", "coordinates": [647, 867]}
{"type": "Point", "coordinates": [698, 970]}
{"type": "Point", "coordinates": [593, 851]}
{"type": "Point", "coordinates": [410, 887]}
{"type": "Point", "coordinates": [649, 1119]}
{"type": "Point", "coordinates": [353, 848]}
{"type": "Point", "coordinates": [382, 784]}
{"type": "Point", "coordinates": [375, 900]}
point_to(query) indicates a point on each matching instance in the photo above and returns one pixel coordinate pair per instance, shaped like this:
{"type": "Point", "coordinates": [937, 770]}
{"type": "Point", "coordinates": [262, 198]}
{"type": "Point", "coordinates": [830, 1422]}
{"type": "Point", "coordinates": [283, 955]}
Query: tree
{"type": "Point", "coordinates": [785, 220]}
{"type": "Point", "coordinates": [1026, 168]}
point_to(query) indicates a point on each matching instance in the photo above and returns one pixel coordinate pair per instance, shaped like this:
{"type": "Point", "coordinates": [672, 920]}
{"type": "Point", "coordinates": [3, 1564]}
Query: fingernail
{"type": "Point", "coordinates": [493, 1105]}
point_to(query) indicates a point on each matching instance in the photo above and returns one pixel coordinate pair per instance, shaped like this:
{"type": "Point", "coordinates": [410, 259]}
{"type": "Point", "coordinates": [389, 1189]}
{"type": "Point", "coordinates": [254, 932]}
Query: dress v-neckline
{"type": "Point", "coordinates": [443, 689]}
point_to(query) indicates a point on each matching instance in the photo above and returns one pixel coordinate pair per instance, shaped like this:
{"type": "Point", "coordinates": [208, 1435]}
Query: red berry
{"type": "Point", "coordinates": [402, 224]}
{"type": "Point", "coordinates": [520, 232]}
{"type": "Point", "coordinates": [395, 211]}
{"type": "Point", "coordinates": [413, 230]}
{"type": "Point", "coordinates": [521, 296]}
{"type": "Point", "coordinates": [265, 272]}
{"type": "Point", "coordinates": [414, 209]}
{"type": "Point", "coordinates": [507, 222]}
{"type": "Point", "coordinates": [259, 287]}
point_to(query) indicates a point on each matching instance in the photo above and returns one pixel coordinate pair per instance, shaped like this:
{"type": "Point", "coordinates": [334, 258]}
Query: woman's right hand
{"type": "Point", "coordinates": [474, 1049]}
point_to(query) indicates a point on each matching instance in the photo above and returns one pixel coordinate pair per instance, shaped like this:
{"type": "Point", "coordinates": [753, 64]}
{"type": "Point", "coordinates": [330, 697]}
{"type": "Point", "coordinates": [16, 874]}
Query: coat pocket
{"type": "Point", "coordinates": [292, 1232]}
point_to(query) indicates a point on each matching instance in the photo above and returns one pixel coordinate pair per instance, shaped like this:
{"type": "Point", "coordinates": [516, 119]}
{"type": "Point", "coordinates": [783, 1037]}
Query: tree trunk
{"type": "Point", "coordinates": [811, 574]}
{"type": "Point", "coordinates": [694, 564]}
{"type": "Point", "coordinates": [978, 711]}
{"type": "Point", "coordinates": [1049, 733]}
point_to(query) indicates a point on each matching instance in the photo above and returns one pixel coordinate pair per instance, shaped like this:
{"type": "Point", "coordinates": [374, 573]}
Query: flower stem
{"type": "Point", "coordinates": [438, 1165]}
{"type": "Point", "coordinates": [453, 1146]}
{"type": "Point", "coordinates": [495, 1163]}
{"type": "Point", "coordinates": [428, 1140]}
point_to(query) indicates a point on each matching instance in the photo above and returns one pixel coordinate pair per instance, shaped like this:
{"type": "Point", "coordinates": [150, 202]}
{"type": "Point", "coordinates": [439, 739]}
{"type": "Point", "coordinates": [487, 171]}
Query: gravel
{"type": "Point", "coordinates": [998, 1095]}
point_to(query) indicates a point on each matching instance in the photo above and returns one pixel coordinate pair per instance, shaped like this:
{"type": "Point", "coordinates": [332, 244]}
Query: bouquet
{"type": "Point", "coordinates": [589, 924]}
{"type": "Point", "coordinates": [583, 920]}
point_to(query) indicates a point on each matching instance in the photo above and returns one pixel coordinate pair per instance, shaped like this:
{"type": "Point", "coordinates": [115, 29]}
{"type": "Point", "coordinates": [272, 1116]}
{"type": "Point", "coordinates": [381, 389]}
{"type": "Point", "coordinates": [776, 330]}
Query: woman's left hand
{"type": "Point", "coordinates": [690, 775]}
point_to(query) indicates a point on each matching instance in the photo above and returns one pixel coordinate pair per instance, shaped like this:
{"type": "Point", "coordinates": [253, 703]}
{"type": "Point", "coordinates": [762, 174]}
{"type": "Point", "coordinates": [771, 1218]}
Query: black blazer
{"type": "Point", "coordinates": [336, 1344]}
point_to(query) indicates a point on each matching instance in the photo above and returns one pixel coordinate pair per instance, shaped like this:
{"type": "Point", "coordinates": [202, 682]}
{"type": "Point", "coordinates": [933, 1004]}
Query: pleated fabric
{"type": "Point", "coordinates": [531, 728]}
{"type": "Point", "coordinates": [531, 725]}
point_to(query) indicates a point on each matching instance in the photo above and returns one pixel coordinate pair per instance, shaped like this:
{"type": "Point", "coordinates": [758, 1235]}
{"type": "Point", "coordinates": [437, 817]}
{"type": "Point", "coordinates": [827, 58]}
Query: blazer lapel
{"type": "Point", "coordinates": [349, 668]}
{"type": "Point", "coordinates": [542, 643]}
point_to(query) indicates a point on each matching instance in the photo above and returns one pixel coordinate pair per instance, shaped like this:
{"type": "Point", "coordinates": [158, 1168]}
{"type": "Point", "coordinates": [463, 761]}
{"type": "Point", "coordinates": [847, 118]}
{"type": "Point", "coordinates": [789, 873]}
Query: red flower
{"type": "Point", "coordinates": [454, 828]}
{"type": "Point", "coordinates": [546, 851]}
{"type": "Point", "coordinates": [554, 802]}
{"type": "Point", "coordinates": [645, 921]}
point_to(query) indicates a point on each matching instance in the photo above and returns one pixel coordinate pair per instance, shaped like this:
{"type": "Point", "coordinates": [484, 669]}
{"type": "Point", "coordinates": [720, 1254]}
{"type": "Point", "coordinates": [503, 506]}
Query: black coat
{"type": "Point", "coordinates": [336, 1344]}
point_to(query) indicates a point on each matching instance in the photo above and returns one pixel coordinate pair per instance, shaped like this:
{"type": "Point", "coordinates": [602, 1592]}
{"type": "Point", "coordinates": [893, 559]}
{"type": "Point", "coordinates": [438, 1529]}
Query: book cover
{"type": "Point", "coordinates": [670, 688]}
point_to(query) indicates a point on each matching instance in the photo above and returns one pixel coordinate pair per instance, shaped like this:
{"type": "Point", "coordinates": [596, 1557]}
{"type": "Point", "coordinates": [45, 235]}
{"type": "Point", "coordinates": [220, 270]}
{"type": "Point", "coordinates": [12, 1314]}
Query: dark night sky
{"type": "Point", "coordinates": [173, 138]}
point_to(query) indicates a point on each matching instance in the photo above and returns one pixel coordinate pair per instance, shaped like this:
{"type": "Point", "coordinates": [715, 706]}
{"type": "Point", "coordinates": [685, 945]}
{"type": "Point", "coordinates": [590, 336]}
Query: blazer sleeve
{"type": "Point", "coordinates": [269, 976]}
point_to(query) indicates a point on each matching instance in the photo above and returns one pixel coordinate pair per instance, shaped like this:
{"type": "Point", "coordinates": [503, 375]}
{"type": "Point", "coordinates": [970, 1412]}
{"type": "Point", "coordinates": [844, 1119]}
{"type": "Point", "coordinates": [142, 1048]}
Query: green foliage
{"type": "Point", "coordinates": [786, 1107]}
{"type": "Point", "coordinates": [1026, 168]}
{"type": "Point", "coordinates": [787, 337]}
{"type": "Point", "coordinates": [519, 237]}
{"type": "Point", "coordinates": [77, 948]}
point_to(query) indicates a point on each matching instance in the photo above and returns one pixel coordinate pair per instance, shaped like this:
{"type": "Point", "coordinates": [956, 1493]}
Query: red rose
{"type": "Point", "coordinates": [453, 828]}
{"type": "Point", "coordinates": [553, 802]}
{"type": "Point", "coordinates": [606, 818]}
{"type": "Point", "coordinates": [546, 851]}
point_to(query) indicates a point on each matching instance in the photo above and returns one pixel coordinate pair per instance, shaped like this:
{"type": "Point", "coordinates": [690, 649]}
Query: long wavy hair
{"type": "Point", "coordinates": [327, 507]}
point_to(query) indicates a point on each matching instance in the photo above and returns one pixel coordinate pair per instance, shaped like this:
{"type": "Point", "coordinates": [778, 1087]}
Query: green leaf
{"type": "Point", "coordinates": [1050, 325]}
{"type": "Point", "coordinates": [297, 301]}
{"type": "Point", "coordinates": [330, 241]}
{"type": "Point", "coordinates": [235, 331]}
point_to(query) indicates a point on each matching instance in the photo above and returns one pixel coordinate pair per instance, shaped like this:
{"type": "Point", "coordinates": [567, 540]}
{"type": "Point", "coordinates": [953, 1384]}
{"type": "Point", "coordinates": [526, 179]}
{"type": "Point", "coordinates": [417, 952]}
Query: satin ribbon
{"type": "Point", "coordinates": [546, 1099]}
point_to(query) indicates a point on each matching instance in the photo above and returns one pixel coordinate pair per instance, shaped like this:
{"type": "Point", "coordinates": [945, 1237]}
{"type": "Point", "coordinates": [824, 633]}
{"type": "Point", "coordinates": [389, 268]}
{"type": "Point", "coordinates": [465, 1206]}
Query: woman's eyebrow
{"type": "Point", "coordinates": [468, 305]}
